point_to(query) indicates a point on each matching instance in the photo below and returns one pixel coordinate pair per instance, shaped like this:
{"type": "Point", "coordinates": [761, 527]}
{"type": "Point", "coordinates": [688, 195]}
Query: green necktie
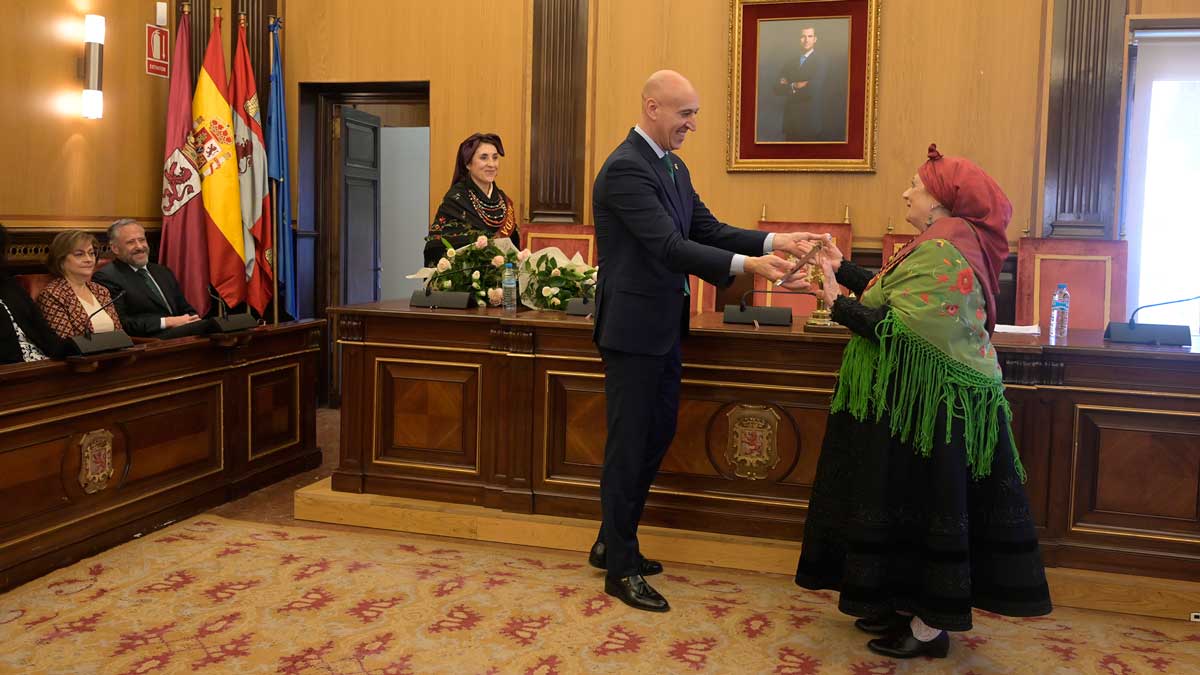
{"type": "Point", "coordinates": [666, 158]}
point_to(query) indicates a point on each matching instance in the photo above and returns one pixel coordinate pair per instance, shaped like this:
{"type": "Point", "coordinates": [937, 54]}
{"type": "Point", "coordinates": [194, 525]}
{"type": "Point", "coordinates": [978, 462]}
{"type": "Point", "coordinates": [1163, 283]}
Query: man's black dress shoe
{"type": "Point", "coordinates": [903, 645]}
{"type": "Point", "coordinates": [635, 592]}
{"type": "Point", "coordinates": [647, 568]}
{"type": "Point", "coordinates": [885, 624]}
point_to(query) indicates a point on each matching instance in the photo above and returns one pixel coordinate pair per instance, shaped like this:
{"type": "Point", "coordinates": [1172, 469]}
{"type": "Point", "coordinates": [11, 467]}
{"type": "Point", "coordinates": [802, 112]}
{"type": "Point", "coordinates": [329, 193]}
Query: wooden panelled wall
{"type": "Point", "coordinates": [967, 75]}
{"type": "Point", "coordinates": [473, 53]}
{"type": "Point", "coordinates": [59, 168]}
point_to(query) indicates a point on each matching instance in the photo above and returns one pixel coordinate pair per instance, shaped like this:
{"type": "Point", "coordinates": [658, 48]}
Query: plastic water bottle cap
{"type": "Point", "coordinates": [1062, 285]}
{"type": "Point", "coordinates": [510, 265]}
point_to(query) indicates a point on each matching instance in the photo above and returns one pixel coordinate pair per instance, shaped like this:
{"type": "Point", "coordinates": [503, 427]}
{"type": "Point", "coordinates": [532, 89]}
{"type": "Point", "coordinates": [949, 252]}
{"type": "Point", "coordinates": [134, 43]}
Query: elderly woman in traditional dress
{"type": "Point", "coordinates": [474, 206]}
{"type": "Point", "coordinates": [918, 512]}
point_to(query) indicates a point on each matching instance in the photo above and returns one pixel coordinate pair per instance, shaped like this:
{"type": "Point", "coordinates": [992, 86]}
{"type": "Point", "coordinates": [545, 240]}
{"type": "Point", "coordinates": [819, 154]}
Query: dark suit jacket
{"type": "Point", "coordinates": [27, 316]}
{"type": "Point", "coordinates": [141, 309]}
{"type": "Point", "coordinates": [804, 109]}
{"type": "Point", "coordinates": [651, 233]}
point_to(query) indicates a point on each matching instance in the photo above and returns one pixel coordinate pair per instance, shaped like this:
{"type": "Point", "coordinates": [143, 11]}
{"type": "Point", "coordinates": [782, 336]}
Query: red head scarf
{"type": "Point", "coordinates": [979, 216]}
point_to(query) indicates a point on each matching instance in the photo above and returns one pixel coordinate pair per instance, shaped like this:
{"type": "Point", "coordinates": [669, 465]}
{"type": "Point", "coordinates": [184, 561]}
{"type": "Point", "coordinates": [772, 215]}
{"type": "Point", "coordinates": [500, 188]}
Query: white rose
{"type": "Point", "coordinates": [498, 261]}
{"type": "Point", "coordinates": [547, 291]}
{"type": "Point", "coordinates": [589, 281]}
{"type": "Point", "coordinates": [555, 301]}
{"type": "Point", "coordinates": [556, 273]}
{"type": "Point", "coordinates": [495, 296]}
{"type": "Point", "coordinates": [447, 284]}
{"type": "Point", "coordinates": [553, 291]}
{"type": "Point", "coordinates": [481, 242]}
{"type": "Point", "coordinates": [450, 253]}
{"type": "Point", "coordinates": [443, 265]}
{"type": "Point", "coordinates": [475, 275]}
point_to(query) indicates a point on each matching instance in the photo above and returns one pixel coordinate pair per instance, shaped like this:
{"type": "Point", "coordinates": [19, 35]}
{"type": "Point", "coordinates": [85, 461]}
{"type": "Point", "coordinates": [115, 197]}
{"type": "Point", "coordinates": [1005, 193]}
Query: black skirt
{"type": "Point", "coordinates": [891, 530]}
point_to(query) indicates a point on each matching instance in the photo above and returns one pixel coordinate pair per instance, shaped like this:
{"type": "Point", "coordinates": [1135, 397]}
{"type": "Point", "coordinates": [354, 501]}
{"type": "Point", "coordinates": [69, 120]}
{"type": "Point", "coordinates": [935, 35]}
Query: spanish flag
{"type": "Point", "coordinates": [212, 137]}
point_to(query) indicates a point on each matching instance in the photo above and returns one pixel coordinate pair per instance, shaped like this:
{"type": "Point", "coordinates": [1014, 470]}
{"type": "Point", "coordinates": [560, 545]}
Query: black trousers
{"type": "Point", "coordinates": [642, 404]}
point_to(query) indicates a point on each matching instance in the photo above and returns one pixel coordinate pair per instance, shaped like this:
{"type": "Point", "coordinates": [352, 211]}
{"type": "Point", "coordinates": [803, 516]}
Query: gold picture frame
{"type": "Point", "coordinates": [797, 103]}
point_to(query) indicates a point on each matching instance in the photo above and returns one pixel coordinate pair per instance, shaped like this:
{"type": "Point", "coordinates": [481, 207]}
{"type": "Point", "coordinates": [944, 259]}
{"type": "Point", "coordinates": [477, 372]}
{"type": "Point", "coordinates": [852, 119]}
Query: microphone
{"type": "Point", "coordinates": [88, 328]}
{"type": "Point", "coordinates": [1159, 304]}
{"type": "Point", "coordinates": [91, 343]}
{"type": "Point", "coordinates": [1150, 333]}
{"type": "Point", "coordinates": [763, 316]}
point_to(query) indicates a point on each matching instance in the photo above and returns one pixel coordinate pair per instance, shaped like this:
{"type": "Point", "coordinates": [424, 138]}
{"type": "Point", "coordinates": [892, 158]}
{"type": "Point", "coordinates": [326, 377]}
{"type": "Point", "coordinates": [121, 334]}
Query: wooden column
{"type": "Point", "coordinates": [1084, 118]}
{"type": "Point", "coordinates": [556, 180]}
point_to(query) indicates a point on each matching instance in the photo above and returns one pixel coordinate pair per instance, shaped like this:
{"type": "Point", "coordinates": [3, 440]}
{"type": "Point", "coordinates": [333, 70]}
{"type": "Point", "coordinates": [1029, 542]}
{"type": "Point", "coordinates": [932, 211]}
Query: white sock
{"type": "Point", "coordinates": [921, 631]}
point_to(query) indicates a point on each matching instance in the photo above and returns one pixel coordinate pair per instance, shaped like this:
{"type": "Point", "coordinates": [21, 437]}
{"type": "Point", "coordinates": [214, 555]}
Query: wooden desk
{"type": "Point", "coordinates": [95, 451]}
{"type": "Point", "coordinates": [478, 407]}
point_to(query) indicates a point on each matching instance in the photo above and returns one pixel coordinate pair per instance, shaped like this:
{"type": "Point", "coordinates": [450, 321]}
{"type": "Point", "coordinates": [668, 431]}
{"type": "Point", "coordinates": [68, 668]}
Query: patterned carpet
{"type": "Point", "coordinates": [211, 595]}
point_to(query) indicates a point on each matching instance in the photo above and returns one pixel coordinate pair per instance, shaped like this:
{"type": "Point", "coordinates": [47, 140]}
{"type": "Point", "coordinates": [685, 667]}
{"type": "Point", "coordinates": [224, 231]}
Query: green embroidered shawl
{"type": "Point", "coordinates": [933, 350]}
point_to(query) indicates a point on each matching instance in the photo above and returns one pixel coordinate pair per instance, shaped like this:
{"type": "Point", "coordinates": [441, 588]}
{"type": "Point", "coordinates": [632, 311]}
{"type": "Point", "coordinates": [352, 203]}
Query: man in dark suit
{"type": "Point", "coordinates": [152, 304]}
{"type": "Point", "coordinates": [652, 231]}
{"type": "Point", "coordinates": [802, 83]}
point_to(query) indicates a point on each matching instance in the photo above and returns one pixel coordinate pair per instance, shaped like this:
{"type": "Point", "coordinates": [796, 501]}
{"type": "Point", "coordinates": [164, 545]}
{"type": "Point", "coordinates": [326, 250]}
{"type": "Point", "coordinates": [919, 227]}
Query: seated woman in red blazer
{"type": "Point", "coordinates": [72, 303]}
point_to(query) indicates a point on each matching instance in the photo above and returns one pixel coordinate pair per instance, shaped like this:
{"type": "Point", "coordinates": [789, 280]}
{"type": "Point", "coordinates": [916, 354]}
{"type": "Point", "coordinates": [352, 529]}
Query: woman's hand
{"type": "Point", "coordinates": [833, 254]}
{"type": "Point", "coordinates": [831, 288]}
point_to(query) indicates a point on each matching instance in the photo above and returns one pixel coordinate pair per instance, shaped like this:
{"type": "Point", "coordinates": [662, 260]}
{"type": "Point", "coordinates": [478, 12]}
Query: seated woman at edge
{"type": "Point", "coordinates": [72, 302]}
{"type": "Point", "coordinates": [918, 512]}
{"type": "Point", "coordinates": [24, 334]}
{"type": "Point", "coordinates": [474, 205]}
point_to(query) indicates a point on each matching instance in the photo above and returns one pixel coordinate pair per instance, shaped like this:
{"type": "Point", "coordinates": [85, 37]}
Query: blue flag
{"type": "Point", "coordinates": [277, 170]}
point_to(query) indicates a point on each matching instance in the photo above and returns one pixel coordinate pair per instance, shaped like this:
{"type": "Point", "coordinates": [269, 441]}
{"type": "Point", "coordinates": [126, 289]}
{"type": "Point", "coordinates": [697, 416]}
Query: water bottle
{"type": "Point", "coordinates": [508, 284]}
{"type": "Point", "coordinates": [1060, 307]}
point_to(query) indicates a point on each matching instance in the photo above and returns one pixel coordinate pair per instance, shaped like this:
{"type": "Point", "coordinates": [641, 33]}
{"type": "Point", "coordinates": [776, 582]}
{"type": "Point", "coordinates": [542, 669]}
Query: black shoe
{"type": "Point", "coordinates": [647, 568]}
{"type": "Point", "coordinates": [903, 645]}
{"type": "Point", "coordinates": [635, 592]}
{"type": "Point", "coordinates": [885, 624]}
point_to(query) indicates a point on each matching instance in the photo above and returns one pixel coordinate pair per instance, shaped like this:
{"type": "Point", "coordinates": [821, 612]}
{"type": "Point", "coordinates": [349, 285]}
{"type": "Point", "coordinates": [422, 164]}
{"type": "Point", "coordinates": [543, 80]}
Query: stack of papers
{"type": "Point", "coordinates": [1020, 330]}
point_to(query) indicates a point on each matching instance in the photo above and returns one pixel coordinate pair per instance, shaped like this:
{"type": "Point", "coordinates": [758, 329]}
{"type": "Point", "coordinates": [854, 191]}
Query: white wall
{"type": "Point", "coordinates": [404, 207]}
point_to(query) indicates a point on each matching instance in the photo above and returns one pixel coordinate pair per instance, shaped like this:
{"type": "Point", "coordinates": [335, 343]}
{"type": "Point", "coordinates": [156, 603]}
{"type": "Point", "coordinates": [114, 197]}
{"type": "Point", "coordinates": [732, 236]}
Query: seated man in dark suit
{"type": "Point", "coordinates": [151, 303]}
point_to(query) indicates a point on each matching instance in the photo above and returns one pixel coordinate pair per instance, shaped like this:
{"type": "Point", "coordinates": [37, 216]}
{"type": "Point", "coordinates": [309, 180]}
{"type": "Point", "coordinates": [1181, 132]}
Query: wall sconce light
{"type": "Point", "coordinates": [93, 67]}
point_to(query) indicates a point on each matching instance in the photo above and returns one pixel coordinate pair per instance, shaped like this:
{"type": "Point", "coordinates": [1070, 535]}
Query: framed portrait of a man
{"type": "Point", "coordinates": [802, 85]}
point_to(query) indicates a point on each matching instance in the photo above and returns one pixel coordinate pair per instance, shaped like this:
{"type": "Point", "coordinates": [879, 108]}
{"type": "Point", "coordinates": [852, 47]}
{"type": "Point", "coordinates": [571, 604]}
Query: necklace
{"type": "Point", "coordinates": [493, 215]}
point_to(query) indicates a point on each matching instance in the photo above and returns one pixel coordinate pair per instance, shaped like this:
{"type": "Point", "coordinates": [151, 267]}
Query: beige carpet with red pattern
{"type": "Point", "coordinates": [211, 595]}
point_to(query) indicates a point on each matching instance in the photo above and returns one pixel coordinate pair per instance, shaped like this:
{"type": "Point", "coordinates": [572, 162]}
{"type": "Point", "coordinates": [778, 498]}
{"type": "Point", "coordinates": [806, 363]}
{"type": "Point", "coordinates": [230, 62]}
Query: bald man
{"type": "Point", "coordinates": [652, 231]}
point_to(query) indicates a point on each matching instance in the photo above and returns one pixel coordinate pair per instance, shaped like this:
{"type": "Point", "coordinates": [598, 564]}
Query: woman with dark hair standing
{"type": "Point", "coordinates": [474, 206]}
{"type": "Point", "coordinates": [24, 333]}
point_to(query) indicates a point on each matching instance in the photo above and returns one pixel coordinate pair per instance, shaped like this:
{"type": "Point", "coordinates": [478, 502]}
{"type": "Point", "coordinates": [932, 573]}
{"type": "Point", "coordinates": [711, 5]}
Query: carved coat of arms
{"type": "Point", "coordinates": [753, 441]}
{"type": "Point", "coordinates": [96, 460]}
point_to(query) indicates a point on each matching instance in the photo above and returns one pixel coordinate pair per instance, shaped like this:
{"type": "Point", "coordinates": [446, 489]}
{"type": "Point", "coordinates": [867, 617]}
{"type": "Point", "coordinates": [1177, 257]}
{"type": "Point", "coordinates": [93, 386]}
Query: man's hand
{"type": "Point", "coordinates": [173, 321]}
{"type": "Point", "coordinates": [769, 267]}
{"type": "Point", "coordinates": [799, 85]}
{"type": "Point", "coordinates": [796, 243]}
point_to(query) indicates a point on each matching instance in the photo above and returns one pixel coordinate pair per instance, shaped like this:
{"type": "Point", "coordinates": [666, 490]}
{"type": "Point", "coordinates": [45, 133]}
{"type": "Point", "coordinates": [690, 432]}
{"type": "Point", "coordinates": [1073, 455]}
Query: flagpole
{"type": "Point", "coordinates": [273, 191]}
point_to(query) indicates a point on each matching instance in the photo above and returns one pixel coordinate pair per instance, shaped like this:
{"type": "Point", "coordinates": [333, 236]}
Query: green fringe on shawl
{"type": "Point", "coordinates": [909, 377]}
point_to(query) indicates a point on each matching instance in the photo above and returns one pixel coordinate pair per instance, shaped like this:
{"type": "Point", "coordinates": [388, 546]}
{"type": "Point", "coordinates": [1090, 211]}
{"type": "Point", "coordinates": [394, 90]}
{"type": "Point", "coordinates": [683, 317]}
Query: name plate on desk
{"type": "Point", "coordinates": [765, 316]}
{"type": "Point", "coordinates": [447, 299]}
